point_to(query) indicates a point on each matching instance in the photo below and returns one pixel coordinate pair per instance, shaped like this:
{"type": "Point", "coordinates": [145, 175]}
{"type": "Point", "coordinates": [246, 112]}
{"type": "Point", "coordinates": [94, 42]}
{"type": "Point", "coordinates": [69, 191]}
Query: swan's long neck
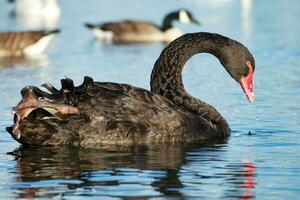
{"type": "Point", "coordinates": [166, 78]}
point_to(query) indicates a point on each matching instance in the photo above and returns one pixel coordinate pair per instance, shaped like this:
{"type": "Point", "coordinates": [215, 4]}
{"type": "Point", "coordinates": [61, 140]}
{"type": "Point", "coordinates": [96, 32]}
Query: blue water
{"type": "Point", "coordinates": [264, 164]}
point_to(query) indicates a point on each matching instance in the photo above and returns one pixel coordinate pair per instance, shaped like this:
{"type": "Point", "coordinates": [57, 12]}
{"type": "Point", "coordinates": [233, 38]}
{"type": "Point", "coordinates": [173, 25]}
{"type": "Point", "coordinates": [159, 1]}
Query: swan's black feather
{"type": "Point", "coordinates": [117, 113]}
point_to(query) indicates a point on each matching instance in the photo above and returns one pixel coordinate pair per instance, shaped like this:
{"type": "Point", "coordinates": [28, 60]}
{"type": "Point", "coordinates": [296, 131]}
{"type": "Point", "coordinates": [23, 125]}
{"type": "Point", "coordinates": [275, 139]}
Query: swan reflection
{"type": "Point", "coordinates": [150, 171]}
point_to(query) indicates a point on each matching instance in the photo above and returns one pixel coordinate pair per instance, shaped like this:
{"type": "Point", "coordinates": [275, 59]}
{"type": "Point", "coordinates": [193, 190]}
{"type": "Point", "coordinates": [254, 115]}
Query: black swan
{"type": "Point", "coordinates": [96, 113]}
{"type": "Point", "coordinates": [26, 43]}
{"type": "Point", "coordinates": [133, 31]}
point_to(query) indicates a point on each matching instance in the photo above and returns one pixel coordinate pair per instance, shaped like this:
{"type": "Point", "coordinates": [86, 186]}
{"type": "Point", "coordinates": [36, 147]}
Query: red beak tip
{"type": "Point", "coordinates": [250, 96]}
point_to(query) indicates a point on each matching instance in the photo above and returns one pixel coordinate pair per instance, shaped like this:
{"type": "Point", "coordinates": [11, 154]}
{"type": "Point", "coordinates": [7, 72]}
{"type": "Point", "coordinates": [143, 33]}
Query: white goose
{"type": "Point", "coordinates": [36, 13]}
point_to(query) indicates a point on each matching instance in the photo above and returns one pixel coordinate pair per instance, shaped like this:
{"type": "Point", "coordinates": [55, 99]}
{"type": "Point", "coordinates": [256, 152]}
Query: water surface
{"type": "Point", "coordinates": [262, 164]}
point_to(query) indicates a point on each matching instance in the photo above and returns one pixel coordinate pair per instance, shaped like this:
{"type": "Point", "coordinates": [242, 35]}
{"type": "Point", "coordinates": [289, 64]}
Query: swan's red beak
{"type": "Point", "coordinates": [247, 83]}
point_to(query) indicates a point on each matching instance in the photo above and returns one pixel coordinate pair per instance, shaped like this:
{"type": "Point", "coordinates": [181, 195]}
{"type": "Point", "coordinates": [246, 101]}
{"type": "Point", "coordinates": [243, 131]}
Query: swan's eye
{"type": "Point", "coordinates": [248, 63]}
{"type": "Point", "coordinates": [248, 66]}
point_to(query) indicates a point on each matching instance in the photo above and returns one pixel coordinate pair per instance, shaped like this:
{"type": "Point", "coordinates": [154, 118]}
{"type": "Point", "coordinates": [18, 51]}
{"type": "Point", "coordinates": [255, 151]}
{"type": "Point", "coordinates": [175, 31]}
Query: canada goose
{"type": "Point", "coordinates": [132, 31]}
{"type": "Point", "coordinates": [96, 113]}
{"type": "Point", "coordinates": [28, 43]}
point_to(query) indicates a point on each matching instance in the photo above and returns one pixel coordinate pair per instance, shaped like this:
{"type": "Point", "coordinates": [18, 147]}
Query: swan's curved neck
{"type": "Point", "coordinates": [166, 78]}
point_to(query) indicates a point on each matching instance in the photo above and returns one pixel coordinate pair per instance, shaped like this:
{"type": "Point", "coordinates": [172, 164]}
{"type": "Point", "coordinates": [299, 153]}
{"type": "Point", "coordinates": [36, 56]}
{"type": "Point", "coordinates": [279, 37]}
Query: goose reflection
{"type": "Point", "coordinates": [147, 171]}
{"type": "Point", "coordinates": [11, 61]}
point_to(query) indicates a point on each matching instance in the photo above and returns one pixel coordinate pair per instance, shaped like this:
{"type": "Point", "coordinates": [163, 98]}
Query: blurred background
{"type": "Point", "coordinates": [263, 164]}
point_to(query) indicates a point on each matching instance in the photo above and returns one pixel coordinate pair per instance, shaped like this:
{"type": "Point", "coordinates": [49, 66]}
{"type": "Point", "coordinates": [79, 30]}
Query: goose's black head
{"type": "Point", "coordinates": [240, 64]}
{"type": "Point", "coordinates": [186, 17]}
{"type": "Point", "coordinates": [182, 15]}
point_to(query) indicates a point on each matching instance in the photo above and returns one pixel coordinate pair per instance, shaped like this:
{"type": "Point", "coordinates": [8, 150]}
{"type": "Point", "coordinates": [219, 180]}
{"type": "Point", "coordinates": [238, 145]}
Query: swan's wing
{"type": "Point", "coordinates": [135, 114]}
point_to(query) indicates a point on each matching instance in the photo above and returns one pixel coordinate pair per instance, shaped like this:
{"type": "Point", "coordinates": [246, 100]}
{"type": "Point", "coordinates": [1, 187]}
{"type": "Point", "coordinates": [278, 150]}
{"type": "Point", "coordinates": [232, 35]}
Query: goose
{"type": "Point", "coordinates": [36, 14]}
{"type": "Point", "coordinates": [133, 31]}
{"type": "Point", "coordinates": [27, 43]}
{"type": "Point", "coordinates": [106, 113]}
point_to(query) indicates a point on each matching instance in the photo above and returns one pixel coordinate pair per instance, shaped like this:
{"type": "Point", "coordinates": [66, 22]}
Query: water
{"type": "Point", "coordinates": [264, 164]}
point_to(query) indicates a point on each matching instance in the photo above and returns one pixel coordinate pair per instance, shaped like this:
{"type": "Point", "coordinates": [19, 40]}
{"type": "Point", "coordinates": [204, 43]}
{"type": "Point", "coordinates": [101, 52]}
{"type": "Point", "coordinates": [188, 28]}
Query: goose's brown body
{"type": "Point", "coordinates": [130, 26]}
{"type": "Point", "coordinates": [135, 31]}
{"type": "Point", "coordinates": [14, 43]}
{"type": "Point", "coordinates": [96, 113]}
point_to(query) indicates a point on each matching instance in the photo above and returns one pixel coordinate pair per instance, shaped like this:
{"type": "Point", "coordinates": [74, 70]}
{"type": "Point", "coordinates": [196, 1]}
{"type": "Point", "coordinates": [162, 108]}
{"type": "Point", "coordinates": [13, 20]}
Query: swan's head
{"type": "Point", "coordinates": [49, 113]}
{"type": "Point", "coordinates": [240, 64]}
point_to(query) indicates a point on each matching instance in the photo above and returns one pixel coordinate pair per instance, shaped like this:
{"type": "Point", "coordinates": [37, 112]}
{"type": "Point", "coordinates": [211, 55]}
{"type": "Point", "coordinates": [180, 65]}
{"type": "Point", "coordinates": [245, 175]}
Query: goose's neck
{"type": "Point", "coordinates": [168, 20]}
{"type": "Point", "coordinates": [166, 78]}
